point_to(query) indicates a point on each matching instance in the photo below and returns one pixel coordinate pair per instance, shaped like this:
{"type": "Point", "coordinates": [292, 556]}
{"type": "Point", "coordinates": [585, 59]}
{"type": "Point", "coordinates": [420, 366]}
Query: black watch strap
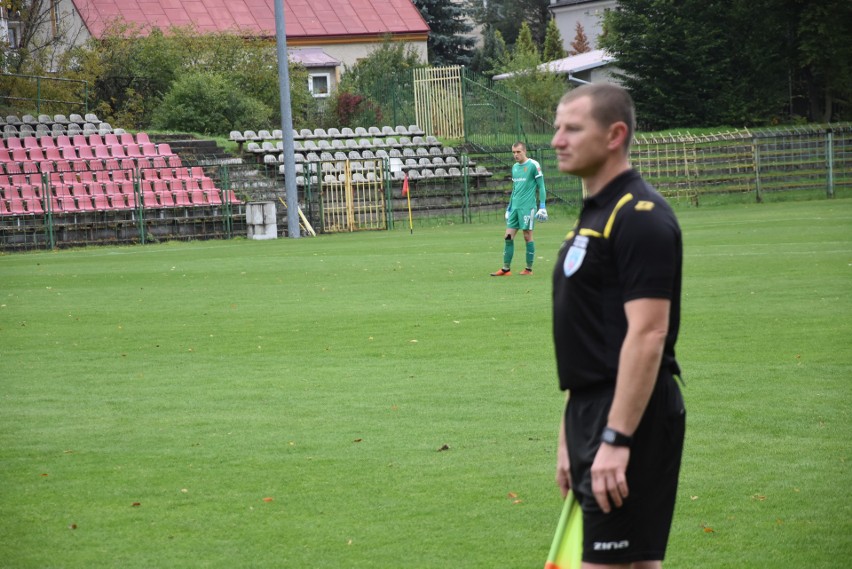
{"type": "Point", "coordinates": [614, 438]}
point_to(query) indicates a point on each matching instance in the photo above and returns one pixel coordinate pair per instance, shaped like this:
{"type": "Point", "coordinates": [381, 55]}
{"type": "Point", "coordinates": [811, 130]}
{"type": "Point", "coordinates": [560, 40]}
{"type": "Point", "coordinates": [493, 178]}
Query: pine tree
{"type": "Point", "coordinates": [581, 42]}
{"type": "Point", "coordinates": [447, 44]}
{"type": "Point", "coordinates": [525, 47]}
{"type": "Point", "coordinates": [553, 49]}
{"type": "Point", "coordinates": [487, 59]}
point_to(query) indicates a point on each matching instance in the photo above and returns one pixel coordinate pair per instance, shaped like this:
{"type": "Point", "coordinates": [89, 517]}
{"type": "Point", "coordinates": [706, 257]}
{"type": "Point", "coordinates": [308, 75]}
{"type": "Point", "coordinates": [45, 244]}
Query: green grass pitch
{"type": "Point", "coordinates": [285, 403]}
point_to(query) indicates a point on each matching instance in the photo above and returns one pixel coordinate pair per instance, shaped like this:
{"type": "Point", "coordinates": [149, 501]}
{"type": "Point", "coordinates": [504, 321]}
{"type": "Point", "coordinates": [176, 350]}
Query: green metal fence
{"type": "Point", "coordinates": [38, 94]}
{"type": "Point", "coordinates": [814, 159]}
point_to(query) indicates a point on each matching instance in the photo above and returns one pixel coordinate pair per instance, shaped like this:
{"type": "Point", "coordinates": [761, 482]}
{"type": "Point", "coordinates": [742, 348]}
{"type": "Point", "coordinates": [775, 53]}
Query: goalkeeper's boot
{"type": "Point", "coordinates": [502, 273]}
{"type": "Point", "coordinates": [526, 271]}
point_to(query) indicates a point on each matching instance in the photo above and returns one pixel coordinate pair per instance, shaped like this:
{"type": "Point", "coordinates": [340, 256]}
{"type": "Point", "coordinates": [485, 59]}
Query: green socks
{"type": "Point", "coordinates": [508, 252]}
{"type": "Point", "coordinates": [530, 253]}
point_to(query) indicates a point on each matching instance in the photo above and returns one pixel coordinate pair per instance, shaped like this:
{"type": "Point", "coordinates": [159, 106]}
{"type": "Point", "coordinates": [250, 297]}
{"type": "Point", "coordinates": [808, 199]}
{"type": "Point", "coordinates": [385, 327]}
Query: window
{"type": "Point", "coordinates": [13, 35]}
{"type": "Point", "coordinates": [319, 84]}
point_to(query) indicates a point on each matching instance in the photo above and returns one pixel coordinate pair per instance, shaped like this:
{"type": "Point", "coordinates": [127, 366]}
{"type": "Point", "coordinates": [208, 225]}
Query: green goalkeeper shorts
{"type": "Point", "coordinates": [522, 218]}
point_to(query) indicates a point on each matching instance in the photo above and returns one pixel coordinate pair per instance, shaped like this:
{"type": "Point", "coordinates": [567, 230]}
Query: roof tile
{"type": "Point", "coordinates": [305, 18]}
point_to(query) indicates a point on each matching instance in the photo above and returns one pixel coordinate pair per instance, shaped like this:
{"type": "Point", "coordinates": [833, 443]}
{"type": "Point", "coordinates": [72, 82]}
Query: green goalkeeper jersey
{"type": "Point", "coordinates": [526, 180]}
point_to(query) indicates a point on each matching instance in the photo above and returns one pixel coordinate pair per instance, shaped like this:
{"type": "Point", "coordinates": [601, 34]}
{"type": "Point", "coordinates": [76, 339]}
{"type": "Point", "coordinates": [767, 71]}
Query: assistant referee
{"type": "Point", "coordinates": [616, 314]}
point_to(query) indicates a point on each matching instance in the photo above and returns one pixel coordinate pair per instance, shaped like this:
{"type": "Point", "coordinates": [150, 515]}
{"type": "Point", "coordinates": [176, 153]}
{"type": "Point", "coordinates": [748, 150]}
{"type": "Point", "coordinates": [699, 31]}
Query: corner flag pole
{"type": "Point", "coordinates": [407, 193]}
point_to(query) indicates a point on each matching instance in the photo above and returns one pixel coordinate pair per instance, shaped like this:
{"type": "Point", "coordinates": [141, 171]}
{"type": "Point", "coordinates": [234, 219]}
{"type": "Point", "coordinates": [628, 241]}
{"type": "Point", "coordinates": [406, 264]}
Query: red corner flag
{"type": "Point", "coordinates": [405, 186]}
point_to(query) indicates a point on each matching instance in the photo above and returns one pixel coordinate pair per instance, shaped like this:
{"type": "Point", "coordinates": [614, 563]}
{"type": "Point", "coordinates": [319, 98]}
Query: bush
{"type": "Point", "coordinates": [209, 103]}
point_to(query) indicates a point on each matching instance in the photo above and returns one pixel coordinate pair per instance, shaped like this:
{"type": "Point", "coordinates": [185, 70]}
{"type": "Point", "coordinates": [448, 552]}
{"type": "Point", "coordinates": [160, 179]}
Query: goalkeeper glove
{"type": "Point", "coordinates": [541, 214]}
{"type": "Point", "coordinates": [508, 211]}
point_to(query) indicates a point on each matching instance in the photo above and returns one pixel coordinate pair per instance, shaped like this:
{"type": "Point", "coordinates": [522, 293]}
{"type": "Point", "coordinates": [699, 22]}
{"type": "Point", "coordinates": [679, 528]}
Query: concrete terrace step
{"type": "Point", "coordinates": [199, 152]}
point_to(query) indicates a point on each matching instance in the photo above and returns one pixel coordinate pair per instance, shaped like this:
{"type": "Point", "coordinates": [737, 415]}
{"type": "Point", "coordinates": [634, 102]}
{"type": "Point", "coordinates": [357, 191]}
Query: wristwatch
{"type": "Point", "coordinates": [614, 438]}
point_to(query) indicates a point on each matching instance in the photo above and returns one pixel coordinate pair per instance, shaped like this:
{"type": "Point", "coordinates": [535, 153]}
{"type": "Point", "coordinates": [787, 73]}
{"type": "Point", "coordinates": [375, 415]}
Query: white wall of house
{"type": "Point", "coordinates": [349, 53]}
{"type": "Point", "coordinates": [588, 13]}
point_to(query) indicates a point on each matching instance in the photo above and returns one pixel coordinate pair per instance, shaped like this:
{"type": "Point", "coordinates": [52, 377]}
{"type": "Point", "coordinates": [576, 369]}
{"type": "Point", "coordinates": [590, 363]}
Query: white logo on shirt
{"type": "Point", "coordinates": [575, 256]}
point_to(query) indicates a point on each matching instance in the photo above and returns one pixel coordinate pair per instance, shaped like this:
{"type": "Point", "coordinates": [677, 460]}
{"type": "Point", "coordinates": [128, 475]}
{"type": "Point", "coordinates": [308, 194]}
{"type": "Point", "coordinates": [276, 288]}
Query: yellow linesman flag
{"type": "Point", "coordinates": [566, 552]}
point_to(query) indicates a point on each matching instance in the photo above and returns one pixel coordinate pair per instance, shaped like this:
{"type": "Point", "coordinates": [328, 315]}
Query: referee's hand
{"type": "Point", "coordinates": [609, 479]}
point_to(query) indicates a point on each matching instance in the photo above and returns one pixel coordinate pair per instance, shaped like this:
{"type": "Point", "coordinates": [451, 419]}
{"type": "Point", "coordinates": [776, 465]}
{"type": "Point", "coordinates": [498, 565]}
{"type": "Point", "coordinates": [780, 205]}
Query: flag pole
{"type": "Point", "coordinates": [407, 194]}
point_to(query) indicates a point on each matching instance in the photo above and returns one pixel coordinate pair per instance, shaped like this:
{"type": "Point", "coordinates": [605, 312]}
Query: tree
{"type": "Point", "coordinates": [44, 34]}
{"type": "Point", "coordinates": [581, 42]}
{"type": "Point", "coordinates": [553, 49]}
{"type": "Point", "coordinates": [487, 59]}
{"type": "Point", "coordinates": [790, 57]}
{"type": "Point", "coordinates": [388, 59]}
{"type": "Point", "coordinates": [525, 47]}
{"type": "Point", "coordinates": [508, 15]}
{"type": "Point", "coordinates": [447, 44]}
{"type": "Point", "coordinates": [209, 103]}
{"type": "Point", "coordinates": [369, 80]}
{"type": "Point", "coordinates": [825, 58]}
{"type": "Point", "coordinates": [130, 73]}
{"type": "Point", "coordinates": [538, 90]}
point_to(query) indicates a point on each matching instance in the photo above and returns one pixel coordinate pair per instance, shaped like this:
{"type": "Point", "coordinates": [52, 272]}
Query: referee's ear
{"type": "Point", "coordinates": [617, 135]}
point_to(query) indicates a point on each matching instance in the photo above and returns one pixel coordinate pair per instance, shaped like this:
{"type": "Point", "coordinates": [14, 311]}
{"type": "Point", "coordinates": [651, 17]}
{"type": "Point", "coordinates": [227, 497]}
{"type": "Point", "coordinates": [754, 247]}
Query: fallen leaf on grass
{"type": "Point", "coordinates": [444, 447]}
{"type": "Point", "coordinates": [72, 526]}
{"type": "Point", "coordinates": [136, 504]}
{"type": "Point", "coordinates": [357, 440]}
{"type": "Point", "coordinates": [759, 497]}
{"type": "Point", "coordinates": [267, 499]}
{"type": "Point", "coordinates": [512, 495]}
{"type": "Point", "coordinates": [44, 474]}
{"type": "Point", "coordinates": [708, 529]}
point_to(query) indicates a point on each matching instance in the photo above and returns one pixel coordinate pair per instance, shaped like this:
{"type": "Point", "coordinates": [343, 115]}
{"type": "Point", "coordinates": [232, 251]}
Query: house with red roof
{"type": "Point", "coordinates": [324, 35]}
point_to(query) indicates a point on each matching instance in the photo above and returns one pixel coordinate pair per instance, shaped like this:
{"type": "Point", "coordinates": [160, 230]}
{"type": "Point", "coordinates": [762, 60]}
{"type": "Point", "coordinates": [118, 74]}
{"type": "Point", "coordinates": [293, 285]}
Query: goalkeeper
{"type": "Point", "coordinates": [527, 184]}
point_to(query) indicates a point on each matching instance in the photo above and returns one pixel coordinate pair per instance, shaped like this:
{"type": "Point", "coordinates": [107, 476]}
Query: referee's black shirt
{"type": "Point", "coordinates": [626, 245]}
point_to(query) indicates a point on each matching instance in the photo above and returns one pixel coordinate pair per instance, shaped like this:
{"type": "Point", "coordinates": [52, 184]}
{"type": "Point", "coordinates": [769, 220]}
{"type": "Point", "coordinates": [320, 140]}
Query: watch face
{"type": "Point", "coordinates": [608, 436]}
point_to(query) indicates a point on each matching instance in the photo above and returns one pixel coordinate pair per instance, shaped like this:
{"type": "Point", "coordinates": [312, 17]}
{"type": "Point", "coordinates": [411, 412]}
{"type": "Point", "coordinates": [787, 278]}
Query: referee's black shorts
{"type": "Point", "coordinates": [639, 530]}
